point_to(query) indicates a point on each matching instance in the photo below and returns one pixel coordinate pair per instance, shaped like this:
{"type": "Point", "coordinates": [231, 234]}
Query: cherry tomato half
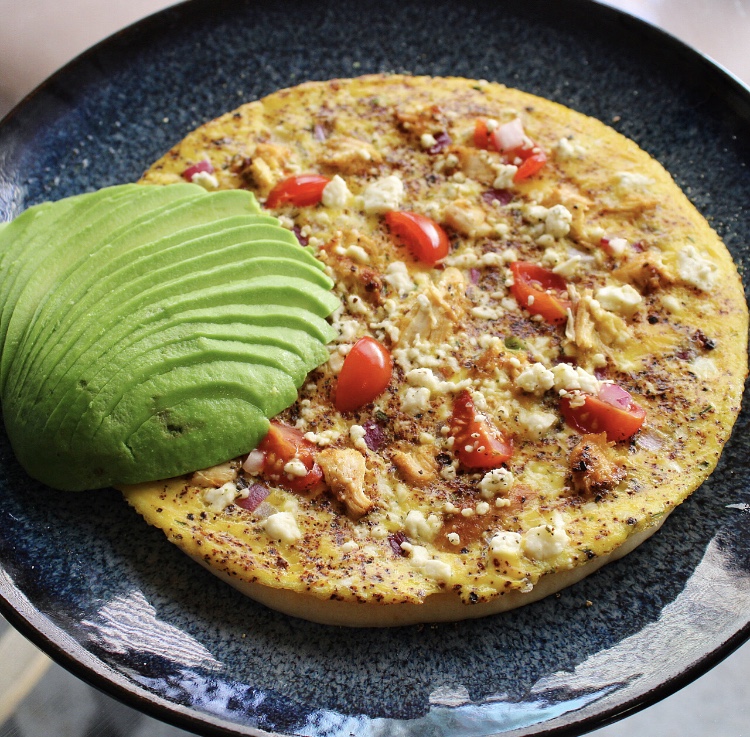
{"type": "Point", "coordinates": [365, 374]}
{"type": "Point", "coordinates": [301, 190]}
{"type": "Point", "coordinates": [612, 412]}
{"type": "Point", "coordinates": [283, 444]}
{"type": "Point", "coordinates": [427, 241]}
{"type": "Point", "coordinates": [530, 166]}
{"type": "Point", "coordinates": [477, 442]}
{"type": "Point", "coordinates": [538, 290]}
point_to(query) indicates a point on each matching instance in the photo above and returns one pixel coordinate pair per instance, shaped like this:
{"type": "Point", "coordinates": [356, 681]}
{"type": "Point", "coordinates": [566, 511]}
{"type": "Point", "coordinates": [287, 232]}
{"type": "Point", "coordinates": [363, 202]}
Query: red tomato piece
{"type": "Point", "coordinates": [302, 190]}
{"type": "Point", "coordinates": [426, 240]}
{"type": "Point", "coordinates": [482, 137]}
{"type": "Point", "coordinates": [365, 374]}
{"type": "Point", "coordinates": [531, 165]}
{"type": "Point", "coordinates": [613, 412]}
{"type": "Point", "coordinates": [538, 290]}
{"type": "Point", "coordinates": [477, 442]}
{"type": "Point", "coordinates": [283, 444]}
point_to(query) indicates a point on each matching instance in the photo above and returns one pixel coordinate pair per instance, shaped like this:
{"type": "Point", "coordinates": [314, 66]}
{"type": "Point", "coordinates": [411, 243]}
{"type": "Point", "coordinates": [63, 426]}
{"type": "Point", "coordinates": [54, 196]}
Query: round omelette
{"type": "Point", "coordinates": [541, 349]}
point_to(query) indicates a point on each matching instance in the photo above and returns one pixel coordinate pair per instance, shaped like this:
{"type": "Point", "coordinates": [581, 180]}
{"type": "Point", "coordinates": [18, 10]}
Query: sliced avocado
{"type": "Point", "coordinates": [132, 366]}
{"type": "Point", "coordinates": [154, 231]}
{"type": "Point", "coordinates": [241, 253]}
{"type": "Point", "coordinates": [37, 281]}
{"type": "Point", "coordinates": [146, 347]}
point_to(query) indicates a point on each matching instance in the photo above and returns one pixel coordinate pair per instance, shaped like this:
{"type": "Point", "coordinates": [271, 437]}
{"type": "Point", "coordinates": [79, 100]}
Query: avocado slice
{"type": "Point", "coordinates": [160, 223]}
{"type": "Point", "coordinates": [142, 340]}
{"type": "Point", "coordinates": [37, 279]}
{"type": "Point", "coordinates": [225, 249]}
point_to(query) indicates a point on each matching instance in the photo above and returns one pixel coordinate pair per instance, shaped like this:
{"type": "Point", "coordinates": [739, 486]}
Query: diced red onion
{"type": "Point", "coordinates": [374, 435]}
{"type": "Point", "coordinates": [319, 132]}
{"type": "Point", "coordinates": [254, 462]}
{"type": "Point", "coordinates": [191, 171]}
{"type": "Point", "coordinates": [509, 136]}
{"type": "Point", "coordinates": [503, 196]}
{"type": "Point", "coordinates": [442, 141]}
{"type": "Point", "coordinates": [638, 246]}
{"type": "Point", "coordinates": [265, 510]}
{"type": "Point", "coordinates": [256, 494]}
{"type": "Point", "coordinates": [303, 240]}
{"type": "Point", "coordinates": [474, 275]}
{"type": "Point", "coordinates": [615, 395]}
{"type": "Point", "coordinates": [395, 541]}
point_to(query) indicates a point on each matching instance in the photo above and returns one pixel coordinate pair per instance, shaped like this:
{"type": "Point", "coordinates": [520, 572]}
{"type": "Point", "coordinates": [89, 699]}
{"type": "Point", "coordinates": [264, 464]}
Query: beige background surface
{"type": "Point", "coordinates": [39, 36]}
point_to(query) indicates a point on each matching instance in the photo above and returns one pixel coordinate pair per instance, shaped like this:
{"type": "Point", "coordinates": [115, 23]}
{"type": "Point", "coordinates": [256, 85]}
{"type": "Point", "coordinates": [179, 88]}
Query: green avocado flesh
{"type": "Point", "coordinates": [146, 331]}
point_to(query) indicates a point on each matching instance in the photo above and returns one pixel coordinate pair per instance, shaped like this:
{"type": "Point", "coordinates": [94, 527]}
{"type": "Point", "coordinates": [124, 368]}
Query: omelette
{"type": "Point", "coordinates": [540, 349]}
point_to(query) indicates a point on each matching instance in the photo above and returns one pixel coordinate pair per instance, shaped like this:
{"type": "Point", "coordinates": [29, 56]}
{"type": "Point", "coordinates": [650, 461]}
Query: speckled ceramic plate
{"type": "Point", "coordinates": [111, 600]}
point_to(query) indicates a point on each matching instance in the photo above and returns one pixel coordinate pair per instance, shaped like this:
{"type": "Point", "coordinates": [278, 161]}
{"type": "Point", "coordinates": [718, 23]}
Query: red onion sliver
{"type": "Point", "coordinates": [442, 141]}
{"type": "Point", "coordinates": [503, 196]}
{"type": "Point", "coordinates": [395, 541]}
{"type": "Point", "coordinates": [191, 171]}
{"type": "Point", "coordinates": [303, 240]}
{"type": "Point", "coordinates": [509, 136]}
{"type": "Point", "coordinates": [374, 435]}
{"type": "Point", "coordinates": [615, 395]}
{"type": "Point", "coordinates": [319, 132]}
{"type": "Point", "coordinates": [256, 494]}
{"type": "Point", "coordinates": [474, 275]}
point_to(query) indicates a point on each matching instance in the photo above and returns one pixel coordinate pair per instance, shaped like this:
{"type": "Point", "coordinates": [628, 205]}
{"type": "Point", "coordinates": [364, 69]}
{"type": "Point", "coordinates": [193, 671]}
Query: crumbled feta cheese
{"type": "Point", "coordinates": [495, 482]}
{"type": "Point", "coordinates": [505, 174]}
{"type": "Point", "coordinates": [336, 193]}
{"type": "Point", "coordinates": [356, 305]}
{"type": "Point", "coordinates": [425, 378]}
{"type": "Point", "coordinates": [397, 275]}
{"type": "Point", "coordinates": [453, 538]}
{"type": "Point", "coordinates": [570, 378]}
{"type": "Point", "coordinates": [420, 527]}
{"type": "Point", "coordinates": [432, 568]}
{"type": "Point", "coordinates": [416, 400]}
{"type": "Point", "coordinates": [536, 422]}
{"type": "Point", "coordinates": [535, 213]}
{"type": "Point", "coordinates": [505, 544]}
{"type": "Point", "coordinates": [535, 379]}
{"type": "Point", "coordinates": [357, 253]}
{"type": "Point", "coordinates": [219, 499]}
{"type": "Point", "coordinates": [323, 439]}
{"type": "Point", "coordinates": [704, 367]}
{"type": "Point", "coordinates": [546, 541]}
{"type": "Point", "coordinates": [695, 270]}
{"type": "Point", "coordinates": [482, 508]}
{"type": "Point", "coordinates": [357, 436]}
{"type": "Point", "coordinates": [383, 195]}
{"type": "Point", "coordinates": [428, 140]}
{"type": "Point", "coordinates": [624, 300]}
{"type": "Point", "coordinates": [295, 468]}
{"type": "Point", "coordinates": [617, 246]}
{"type": "Point", "coordinates": [626, 180]}
{"type": "Point", "coordinates": [671, 303]}
{"type": "Point", "coordinates": [557, 221]}
{"type": "Point", "coordinates": [349, 546]}
{"type": "Point", "coordinates": [282, 526]}
{"type": "Point", "coordinates": [206, 180]}
{"type": "Point", "coordinates": [567, 148]}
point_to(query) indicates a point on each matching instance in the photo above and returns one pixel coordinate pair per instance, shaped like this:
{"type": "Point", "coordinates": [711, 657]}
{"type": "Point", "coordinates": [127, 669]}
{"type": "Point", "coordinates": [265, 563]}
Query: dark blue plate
{"type": "Point", "coordinates": [110, 599]}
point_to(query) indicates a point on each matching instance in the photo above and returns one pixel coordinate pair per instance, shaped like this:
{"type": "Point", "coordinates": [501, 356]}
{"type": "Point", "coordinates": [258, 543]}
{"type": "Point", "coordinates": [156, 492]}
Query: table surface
{"type": "Point", "coordinates": [39, 36]}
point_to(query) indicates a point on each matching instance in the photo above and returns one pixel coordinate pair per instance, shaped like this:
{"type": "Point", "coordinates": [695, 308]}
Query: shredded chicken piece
{"type": "Point", "coordinates": [349, 155]}
{"type": "Point", "coordinates": [360, 279]}
{"type": "Point", "coordinates": [436, 310]}
{"type": "Point", "coordinates": [421, 120]}
{"type": "Point", "coordinates": [344, 471]}
{"type": "Point", "coordinates": [646, 270]}
{"type": "Point", "coordinates": [594, 469]}
{"type": "Point", "coordinates": [464, 218]}
{"type": "Point", "coordinates": [215, 476]}
{"type": "Point", "coordinates": [592, 328]}
{"type": "Point", "coordinates": [417, 465]}
{"type": "Point", "coordinates": [476, 164]}
{"type": "Point", "coordinates": [497, 356]}
{"type": "Point", "coordinates": [269, 164]}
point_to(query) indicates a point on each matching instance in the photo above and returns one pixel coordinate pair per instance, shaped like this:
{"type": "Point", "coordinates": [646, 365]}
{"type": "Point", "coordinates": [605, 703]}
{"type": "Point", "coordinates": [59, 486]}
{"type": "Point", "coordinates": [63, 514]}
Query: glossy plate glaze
{"type": "Point", "coordinates": [110, 599]}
